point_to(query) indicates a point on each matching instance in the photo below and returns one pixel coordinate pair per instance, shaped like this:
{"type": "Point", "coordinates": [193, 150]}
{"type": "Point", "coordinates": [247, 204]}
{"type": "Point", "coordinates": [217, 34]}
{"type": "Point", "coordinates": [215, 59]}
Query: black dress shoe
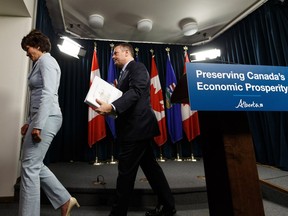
{"type": "Point", "coordinates": [153, 212]}
{"type": "Point", "coordinates": [161, 211]}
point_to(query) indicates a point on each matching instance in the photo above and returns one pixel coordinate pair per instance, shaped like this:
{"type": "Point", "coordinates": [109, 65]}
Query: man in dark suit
{"type": "Point", "coordinates": [136, 125]}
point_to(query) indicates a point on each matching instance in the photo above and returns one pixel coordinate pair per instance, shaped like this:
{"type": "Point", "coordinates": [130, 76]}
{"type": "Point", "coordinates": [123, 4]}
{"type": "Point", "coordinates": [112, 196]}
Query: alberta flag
{"type": "Point", "coordinates": [157, 103]}
{"type": "Point", "coordinates": [111, 78]}
{"type": "Point", "coordinates": [189, 117]}
{"type": "Point", "coordinates": [173, 110]}
{"type": "Point", "coordinates": [96, 122]}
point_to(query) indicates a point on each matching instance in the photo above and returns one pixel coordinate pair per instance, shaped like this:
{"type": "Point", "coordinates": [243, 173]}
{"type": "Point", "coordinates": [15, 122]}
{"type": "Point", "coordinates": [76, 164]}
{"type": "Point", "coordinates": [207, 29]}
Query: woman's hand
{"type": "Point", "coordinates": [36, 135]}
{"type": "Point", "coordinates": [24, 129]}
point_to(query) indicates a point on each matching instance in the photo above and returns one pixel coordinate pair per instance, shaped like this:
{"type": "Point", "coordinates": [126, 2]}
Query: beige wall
{"type": "Point", "coordinates": [14, 66]}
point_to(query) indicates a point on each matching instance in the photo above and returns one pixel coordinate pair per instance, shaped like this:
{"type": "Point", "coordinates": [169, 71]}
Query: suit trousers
{"type": "Point", "coordinates": [131, 156]}
{"type": "Point", "coordinates": [34, 174]}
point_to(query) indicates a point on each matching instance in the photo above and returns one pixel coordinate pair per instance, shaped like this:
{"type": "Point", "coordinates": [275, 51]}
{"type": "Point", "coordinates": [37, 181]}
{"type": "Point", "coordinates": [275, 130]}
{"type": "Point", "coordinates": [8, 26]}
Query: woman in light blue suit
{"type": "Point", "coordinates": [43, 123]}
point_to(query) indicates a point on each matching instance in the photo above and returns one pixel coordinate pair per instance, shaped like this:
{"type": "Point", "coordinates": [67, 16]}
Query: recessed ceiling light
{"type": "Point", "coordinates": [96, 21]}
{"type": "Point", "coordinates": [144, 25]}
{"type": "Point", "coordinates": [190, 28]}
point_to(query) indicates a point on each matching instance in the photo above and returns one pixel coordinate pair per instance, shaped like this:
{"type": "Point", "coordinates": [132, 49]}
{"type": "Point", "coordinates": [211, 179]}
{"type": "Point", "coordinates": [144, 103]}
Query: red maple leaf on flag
{"type": "Point", "coordinates": [190, 119]}
{"type": "Point", "coordinates": [157, 103]}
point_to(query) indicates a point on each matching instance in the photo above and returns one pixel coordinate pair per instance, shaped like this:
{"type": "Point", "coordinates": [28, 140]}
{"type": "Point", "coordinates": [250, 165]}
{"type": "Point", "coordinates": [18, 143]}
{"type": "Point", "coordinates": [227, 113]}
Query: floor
{"type": "Point", "coordinates": [81, 177]}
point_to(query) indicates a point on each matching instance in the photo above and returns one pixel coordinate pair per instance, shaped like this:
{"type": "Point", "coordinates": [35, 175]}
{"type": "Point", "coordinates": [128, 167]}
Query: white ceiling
{"type": "Point", "coordinates": [13, 8]}
{"type": "Point", "coordinates": [70, 17]}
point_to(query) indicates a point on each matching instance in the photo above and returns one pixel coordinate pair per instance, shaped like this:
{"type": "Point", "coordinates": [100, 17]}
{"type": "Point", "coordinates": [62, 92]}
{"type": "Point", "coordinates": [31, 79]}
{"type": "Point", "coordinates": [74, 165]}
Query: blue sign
{"type": "Point", "coordinates": [231, 87]}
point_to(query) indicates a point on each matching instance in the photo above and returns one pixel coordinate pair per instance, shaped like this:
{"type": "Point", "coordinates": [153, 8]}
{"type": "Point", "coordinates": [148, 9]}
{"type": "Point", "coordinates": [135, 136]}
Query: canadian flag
{"type": "Point", "coordinates": [157, 103]}
{"type": "Point", "coordinates": [96, 122]}
{"type": "Point", "coordinates": [190, 120]}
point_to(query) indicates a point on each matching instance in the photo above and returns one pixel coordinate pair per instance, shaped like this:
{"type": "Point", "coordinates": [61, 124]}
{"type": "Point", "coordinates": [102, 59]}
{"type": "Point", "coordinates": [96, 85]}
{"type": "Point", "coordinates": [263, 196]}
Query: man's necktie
{"type": "Point", "coordinates": [120, 76]}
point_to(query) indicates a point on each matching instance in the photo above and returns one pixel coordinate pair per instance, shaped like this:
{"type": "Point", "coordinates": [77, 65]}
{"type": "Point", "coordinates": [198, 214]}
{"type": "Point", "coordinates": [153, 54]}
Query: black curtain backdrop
{"type": "Point", "coordinates": [260, 39]}
{"type": "Point", "coordinates": [71, 143]}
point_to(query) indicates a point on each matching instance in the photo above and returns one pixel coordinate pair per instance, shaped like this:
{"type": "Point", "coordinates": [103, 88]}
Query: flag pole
{"type": "Point", "coordinates": [94, 124]}
{"type": "Point", "coordinates": [157, 104]}
{"type": "Point", "coordinates": [188, 129]}
{"type": "Point", "coordinates": [161, 159]}
{"type": "Point", "coordinates": [97, 162]}
{"type": "Point", "coordinates": [178, 155]}
{"type": "Point", "coordinates": [111, 78]}
{"type": "Point", "coordinates": [96, 148]}
{"type": "Point", "coordinates": [175, 130]}
{"type": "Point", "coordinates": [112, 161]}
{"type": "Point", "coordinates": [192, 156]}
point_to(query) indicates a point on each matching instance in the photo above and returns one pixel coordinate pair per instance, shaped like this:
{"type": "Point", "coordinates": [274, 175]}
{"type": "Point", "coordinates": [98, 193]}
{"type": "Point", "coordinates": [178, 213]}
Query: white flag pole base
{"type": "Point", "coordinates": [178, 155]}
{"type": "Point", "coordinates": [112, 161]}
{"type": "Point", "coordinates": [96, 163]}
{"type": "Point", "coordinates": [191, 158]}
{"type": "Point", "coordinates": [178, 158]}
{"type": "Point", "coordinates": [161, 159]}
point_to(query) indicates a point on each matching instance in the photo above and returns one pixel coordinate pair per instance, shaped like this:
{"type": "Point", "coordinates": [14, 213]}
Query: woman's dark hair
{"type": "Point", "coordinates": [36, 39]}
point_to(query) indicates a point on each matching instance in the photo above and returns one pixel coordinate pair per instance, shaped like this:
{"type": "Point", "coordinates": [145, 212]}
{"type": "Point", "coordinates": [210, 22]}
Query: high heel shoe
{"type": "Point", "coordinates": [72, 203]}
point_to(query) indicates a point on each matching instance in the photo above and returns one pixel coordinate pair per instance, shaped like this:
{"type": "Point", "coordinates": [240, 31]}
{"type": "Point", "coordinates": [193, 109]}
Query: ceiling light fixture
{"type": "Point", "coordinates": [96, 21]}
{"type": "Point", "coordinates": [190, 28]}
{"type": "Point", "coordinates": [144, 25]}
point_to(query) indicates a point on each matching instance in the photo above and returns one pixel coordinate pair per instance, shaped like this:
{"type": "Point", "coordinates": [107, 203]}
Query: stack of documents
{"type": "Point", "coordinates": [101, 90]}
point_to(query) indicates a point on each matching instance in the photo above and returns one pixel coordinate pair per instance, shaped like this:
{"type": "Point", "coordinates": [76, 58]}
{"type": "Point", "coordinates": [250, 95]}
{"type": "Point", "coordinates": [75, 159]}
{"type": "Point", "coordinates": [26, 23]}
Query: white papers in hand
{"type": "Point", "coordinates": [101, 90]}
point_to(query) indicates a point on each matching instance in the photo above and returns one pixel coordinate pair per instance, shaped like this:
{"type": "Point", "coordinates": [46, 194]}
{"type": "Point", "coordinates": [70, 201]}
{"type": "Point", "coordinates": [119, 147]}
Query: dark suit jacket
{"type": "Point", "coordinates": [136, 119]}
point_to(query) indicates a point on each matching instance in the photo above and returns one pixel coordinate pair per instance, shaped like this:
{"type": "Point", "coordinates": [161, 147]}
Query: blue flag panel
{"type": "Point", "coordinates": [173, 111]}
{"type": "Point", "coordinates": [111, 78]}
